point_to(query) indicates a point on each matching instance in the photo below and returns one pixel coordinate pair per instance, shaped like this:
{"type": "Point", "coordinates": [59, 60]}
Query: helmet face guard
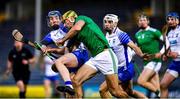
{"type": "Point", "coordinates": [51, 14]}
{"type": "Point", "coordinates": [112, 20]}
{"type": "Point", "coordinates": [111, 17]}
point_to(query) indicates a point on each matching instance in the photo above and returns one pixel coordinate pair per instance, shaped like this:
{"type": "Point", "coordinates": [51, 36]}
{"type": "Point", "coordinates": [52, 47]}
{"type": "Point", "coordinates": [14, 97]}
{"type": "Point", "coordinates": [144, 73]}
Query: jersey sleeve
{"type": "Point", "coordinates": [47, 40]}
{"type": "Point", "coordinates": [157, 34]}
{"type": "Point", "coordinates": [124, 38]}
{"type": "Point", "coordinates": [10, 56]}
{"type": "Point", "coordinates": [29, 54]}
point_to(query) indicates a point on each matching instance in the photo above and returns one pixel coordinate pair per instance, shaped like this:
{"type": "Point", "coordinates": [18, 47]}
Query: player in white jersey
{"type": "Point", "coordinates": [69, 62]}
{"type": "Point", "coordinates": [121, 44]}
{"type": "Point", "coordinates": [173, 70]}
{"type": "Point", "coordinates": [49, 77]}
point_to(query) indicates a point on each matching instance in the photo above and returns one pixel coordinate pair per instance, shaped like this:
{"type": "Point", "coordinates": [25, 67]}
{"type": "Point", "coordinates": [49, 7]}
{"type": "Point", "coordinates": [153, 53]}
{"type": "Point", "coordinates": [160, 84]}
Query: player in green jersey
{"type": "Point", "coordinates": [84, 29]}
{"type": "Point", "coordinates": [148, 40]}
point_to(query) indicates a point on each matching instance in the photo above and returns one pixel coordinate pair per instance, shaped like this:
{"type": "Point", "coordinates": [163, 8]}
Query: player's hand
{"type": "Point", "coordinates": [172, 54]}
{"type": "Point", "coordinates": [164, 57]}
{"type": "Point", "coordinates": [25, 62]}
{"type": "Point", "coordinates": [43, 48]}
{"type": "Point", "coordinates": [148, 57]}
{"type": "Point", "coordinates": [60, 42]}
{"type": "Point", "coordinates": [158, 55]}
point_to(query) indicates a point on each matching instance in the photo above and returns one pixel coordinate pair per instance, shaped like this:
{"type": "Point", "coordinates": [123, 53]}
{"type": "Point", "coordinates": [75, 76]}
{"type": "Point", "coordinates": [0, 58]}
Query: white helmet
{"type": "Point", "coordinates": [111, 17]}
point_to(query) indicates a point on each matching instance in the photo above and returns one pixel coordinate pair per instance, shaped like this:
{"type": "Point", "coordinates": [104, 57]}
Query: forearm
{"type": "Point", "coordinates": [57, 50]}
{"type": "Point", "coordinates": [9, 67]}
{"type": "Point", "coordinates": [32, 60]}
{"type": "Point", "coordinates": [138, 51]}
{"type": "Point", "coordinates": [72, 32]}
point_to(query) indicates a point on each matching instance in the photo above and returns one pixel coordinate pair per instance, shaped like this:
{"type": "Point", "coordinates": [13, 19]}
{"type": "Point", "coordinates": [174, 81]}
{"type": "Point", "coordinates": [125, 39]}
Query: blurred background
{"type": "Point", "coordinates": [29, 16]}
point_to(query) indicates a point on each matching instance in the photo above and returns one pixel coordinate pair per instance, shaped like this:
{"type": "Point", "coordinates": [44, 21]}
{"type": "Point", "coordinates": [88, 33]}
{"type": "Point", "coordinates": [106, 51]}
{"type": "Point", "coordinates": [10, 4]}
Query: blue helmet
{"type": "Point", "coordinates": [54, 13]}
{"type": "Point", "coordinates": [172, 14]}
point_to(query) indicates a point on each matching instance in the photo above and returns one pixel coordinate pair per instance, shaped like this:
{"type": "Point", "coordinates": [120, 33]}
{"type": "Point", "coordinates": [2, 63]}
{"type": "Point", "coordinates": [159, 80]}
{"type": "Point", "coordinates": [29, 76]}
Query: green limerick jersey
{"type": "Point", "coordinates": [148, 41]}
{"type": "Point", "coordinates": [92, 36]}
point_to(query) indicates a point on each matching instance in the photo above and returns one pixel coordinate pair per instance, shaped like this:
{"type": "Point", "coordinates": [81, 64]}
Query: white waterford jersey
{"type": "Point", "coordinates": [48, 64]}
{"type": "Point", "coordinates": [118, 42]}
{"type": "Point", "coordinates": [174, 40]}
{"type": "Point", "coordinates": [55, 35]}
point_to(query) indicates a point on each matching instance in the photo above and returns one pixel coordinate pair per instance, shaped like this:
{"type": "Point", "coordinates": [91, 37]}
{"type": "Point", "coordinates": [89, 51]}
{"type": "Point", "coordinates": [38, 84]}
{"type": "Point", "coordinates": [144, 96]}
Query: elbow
{"type": "Point", "coordinates": [77, 28]}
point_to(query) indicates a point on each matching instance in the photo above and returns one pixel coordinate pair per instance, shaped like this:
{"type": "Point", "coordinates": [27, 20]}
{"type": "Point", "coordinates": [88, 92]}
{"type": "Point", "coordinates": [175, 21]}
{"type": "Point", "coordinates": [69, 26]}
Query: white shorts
{"type": "Point", "coordinates": [106, 62]}
{"type": "Point", "coordinates": [173, 73]}
{"type": "Point", "coordinates": [155, 66]}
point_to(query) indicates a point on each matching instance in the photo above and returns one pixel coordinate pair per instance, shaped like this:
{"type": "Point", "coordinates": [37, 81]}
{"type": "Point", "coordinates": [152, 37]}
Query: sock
{"type": "Point", "coordinates": [157, 93]}
{"type": "Point", "coordinates": [68, 83]}
{"type": "Point", "coordinates": [22, 94]}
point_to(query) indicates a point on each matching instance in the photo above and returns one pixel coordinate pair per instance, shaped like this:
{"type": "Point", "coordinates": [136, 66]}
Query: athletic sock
{"type": "Point", "coordinates": [157, 93]}
{"type": "Point", "coordinates": [22, 94]}
{"type": "Point", "coordinates": [69, 83]}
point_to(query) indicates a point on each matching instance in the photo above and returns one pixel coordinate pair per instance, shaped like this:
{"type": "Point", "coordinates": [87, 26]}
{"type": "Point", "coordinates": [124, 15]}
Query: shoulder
{"type": "Point", "coordinates": [153, 29]}
{"type": "Point", "coordinates": [140, 30]}
{"type": "Point", "coordinates": [121, 33]}
{"type": "Point", "coordinates": [13, 50]}
{"type": "Point", "coordinates": [84, 18]}
{"type": "Point", "coordinates": [25, 49]}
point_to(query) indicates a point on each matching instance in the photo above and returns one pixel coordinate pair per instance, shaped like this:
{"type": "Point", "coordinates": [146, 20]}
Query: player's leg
{"type": "Point", "coordinates": [148, 72]}
{"type": "Point", "coordinates": [21, 87]}
{"type": "Point", "coordinates": [84, 73]}
{"type": "Point", "coordinates": [171, 74]}
{"type": "Point", "coordinates": [67, 60]}
{"type": "Point", "coordinates": [128, 87]}
{"type": "Point", "coordinates": [47, 87]}
{"type": "Point", "coordinates": [103, 90]}
{"type": "Point", "coordinates": [55, 82]}
{"type": "Point", "coordinates": [144, 77]}
{"type": "Point", "coordinates": [108, 66]}
{"type": "Point", "coordinates": [165, 83]}
{"type": "Point", "coordinates": [155, 81]}
{"type": "Point", "coordinates": [114, 89]}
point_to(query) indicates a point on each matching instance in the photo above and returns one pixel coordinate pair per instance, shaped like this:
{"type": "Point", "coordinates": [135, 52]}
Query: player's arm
{"type": "Point", "coordinates": [55, 50]}
{"type": "Point", "coordinates": [73, 31]}
{"type": "Point", "coordinates": [32, 60]}
{"type": "Point", "coordinates": [137, 50]}
{"type": "Point", "coordinates": [9, 67]}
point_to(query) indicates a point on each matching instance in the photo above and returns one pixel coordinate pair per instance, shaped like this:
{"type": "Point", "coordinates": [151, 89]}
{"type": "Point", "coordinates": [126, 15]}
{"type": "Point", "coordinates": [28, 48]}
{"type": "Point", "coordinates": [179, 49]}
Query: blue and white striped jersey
{"type": "Point", "coordinates": [55, 35]}
{"type": "Point", "coordinates": [174, 40]}
{"type": "Point", "coordinates": [118, 41]}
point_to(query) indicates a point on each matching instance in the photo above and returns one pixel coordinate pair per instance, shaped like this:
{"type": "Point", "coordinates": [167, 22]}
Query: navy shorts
{"type": "Point", "coordinates": [174, 68]}
{"type": "Point", "coordinates": [82, 57]}
{"type": "Point", "coordinates": [126, 73]}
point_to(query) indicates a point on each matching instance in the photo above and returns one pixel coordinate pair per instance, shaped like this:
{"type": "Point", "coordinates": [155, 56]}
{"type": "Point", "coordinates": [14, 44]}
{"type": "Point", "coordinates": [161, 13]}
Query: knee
{"type": "Point", "coordinates": [140, 81]}
{"type": "Point", "coordinates": [58, 61]}
{"type": "Point", "coordinates": [76, 81]}
{"type": "Point", "coordinates": [163, 85]}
